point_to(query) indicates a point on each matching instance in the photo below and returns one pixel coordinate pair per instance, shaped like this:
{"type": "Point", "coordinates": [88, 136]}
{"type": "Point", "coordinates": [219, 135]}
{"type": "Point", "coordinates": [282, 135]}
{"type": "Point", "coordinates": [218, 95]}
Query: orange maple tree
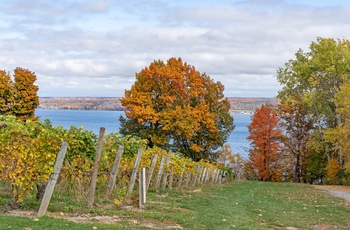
{"type": "Point", "coordinates": [18, 96]}
{"type": "Point", "coordinates": [175, 107]}
{"type": "Point", "coordinates": [6, 93]}
{"type": "Point", "coordinates": [26, 98]}
{"type": "Point", "coordinates": [264, 137]}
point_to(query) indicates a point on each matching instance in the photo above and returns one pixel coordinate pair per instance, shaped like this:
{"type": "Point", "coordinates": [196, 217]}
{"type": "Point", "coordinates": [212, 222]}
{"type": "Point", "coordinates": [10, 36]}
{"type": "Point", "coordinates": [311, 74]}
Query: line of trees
{"type": "Point", "coordinates": [18, 96]}
{"type": "Point", "coordinates": [313, 115]}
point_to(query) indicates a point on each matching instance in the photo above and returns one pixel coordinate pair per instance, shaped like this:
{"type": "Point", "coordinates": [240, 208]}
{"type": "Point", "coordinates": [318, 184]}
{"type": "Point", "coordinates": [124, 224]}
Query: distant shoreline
{"type": "Point", "coordinates": [239, 105]}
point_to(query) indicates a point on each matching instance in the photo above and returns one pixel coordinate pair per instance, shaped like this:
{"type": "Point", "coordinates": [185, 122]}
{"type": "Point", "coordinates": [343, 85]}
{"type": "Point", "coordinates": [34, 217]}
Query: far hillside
{"type": "Point", "coordinates": [238, 104]}
{"type": "Point", "coordinates": [249, 104]}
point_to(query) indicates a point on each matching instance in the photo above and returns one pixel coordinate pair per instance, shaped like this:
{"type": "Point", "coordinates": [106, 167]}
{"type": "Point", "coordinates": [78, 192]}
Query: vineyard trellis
{"type": "Point", "coordinates": [115, 173]}
{"type": "Point", "coordinates": [198, 173]}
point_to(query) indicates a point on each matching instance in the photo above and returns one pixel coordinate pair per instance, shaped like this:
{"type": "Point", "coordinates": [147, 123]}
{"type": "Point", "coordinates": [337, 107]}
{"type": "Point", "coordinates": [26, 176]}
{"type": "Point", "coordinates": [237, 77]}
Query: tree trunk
{"type": "Point", "coordinates": [297, 168]}
{"type": "Point", "coordinates": [40, 191]}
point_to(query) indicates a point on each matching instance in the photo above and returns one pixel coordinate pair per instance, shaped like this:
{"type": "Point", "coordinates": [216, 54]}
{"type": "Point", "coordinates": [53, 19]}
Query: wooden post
{"type": "Point", "coordinates": [224, 175]}
{"type": "Point", "coordinates": [171, 178]}
{"type": "Point", "coordinates": [140, 191]}
{"type": "Point", "coordinates": [199, 174]}
{"type": "Point", "coordinates": [203, 175]}
{"type": "Point", "coordinates": [95, 169]}
{"type": "Point", "coordinates": [142, 188]}
{"type": "Point", "coordinates": [194, 176]}
{"type": "Point", "coordinates": [219, 176]}
{"type": "Point", "coordinates": [181, 176]}
{"type": "Point", "coordinates": [208, 175]}
{"type": "Point", "coordinates": [53, 179]}
{"type": "Point", "coordinates": [160, 172]}
{"type": "Point", "coordinates": [188, 178]}
{"type": "Point", "coordinates": [115, 170]}
{"type": "Point", "coordinates": [134, 172]}
{"type": "Point", "coordinates": [165, 174]}
{"type": "Point", "coordinates": [214, 176]}
{"type": "Point", "coordinates": [151, 170]}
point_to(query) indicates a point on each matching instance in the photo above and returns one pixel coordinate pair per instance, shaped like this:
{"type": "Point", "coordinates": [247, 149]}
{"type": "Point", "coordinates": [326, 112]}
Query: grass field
{"type": "Point", "coordinates": [237, 205]}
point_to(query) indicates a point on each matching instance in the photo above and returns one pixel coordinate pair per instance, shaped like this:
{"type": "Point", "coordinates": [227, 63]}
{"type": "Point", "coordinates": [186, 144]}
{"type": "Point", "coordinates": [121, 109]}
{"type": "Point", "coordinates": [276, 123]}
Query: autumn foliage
{"type": "Point", "coordinates": [27, 154]}
{"type": "Point", "coordinates": [6, 92]}
{"type": "Point", "coordinates": [177, 108]}
{"type": "Point", "coordinates": [28, 151]}
{"type": "Point", "coordinates": [319, 79]}
{"type": "Point", "coordinates": [298, 125]}
{"type": "Point", "coordinates": [265, 143]}
{"type": "Point", "coordinates": [18, 96]}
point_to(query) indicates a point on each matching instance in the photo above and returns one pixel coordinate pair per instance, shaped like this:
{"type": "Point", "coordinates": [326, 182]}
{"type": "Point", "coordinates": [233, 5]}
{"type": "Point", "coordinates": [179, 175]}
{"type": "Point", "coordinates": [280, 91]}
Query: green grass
{"type": "Point", "coordinates": [8, 222]}
{"type": "Point", "coordinates": [256, 205]}
{"type": "Point", "coordinates": [237, 205]}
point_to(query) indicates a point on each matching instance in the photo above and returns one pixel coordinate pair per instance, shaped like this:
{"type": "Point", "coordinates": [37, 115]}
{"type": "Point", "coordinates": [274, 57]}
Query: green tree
{"type": "Point", "coordinates": [26, 99]}
{"type": "Point", "coordinates": [340, 134]}
{"type": "Point", "coordinates": [316, 77]}
{"type": "Point", "coordinates": [298, 125]}
{"type": "Point", "coordinates": [317, 159]}
{"type": "Point", "coordinates": [175, 107]}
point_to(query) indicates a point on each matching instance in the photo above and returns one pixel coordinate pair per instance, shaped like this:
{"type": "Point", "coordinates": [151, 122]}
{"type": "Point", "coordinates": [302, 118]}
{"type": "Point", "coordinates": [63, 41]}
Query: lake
{"type": "Point", "coordinates": [94, 119]}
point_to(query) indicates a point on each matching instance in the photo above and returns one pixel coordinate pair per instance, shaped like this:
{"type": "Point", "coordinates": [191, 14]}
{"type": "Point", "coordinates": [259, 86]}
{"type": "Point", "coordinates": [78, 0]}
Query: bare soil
{"type": "Point", "coordinates": [115, 219]}
{"type": "Point", "coordinates": [336, 190]}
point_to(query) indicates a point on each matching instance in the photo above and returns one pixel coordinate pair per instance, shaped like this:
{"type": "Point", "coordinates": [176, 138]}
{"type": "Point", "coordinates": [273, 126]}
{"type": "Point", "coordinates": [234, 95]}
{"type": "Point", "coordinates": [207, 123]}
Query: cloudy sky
{"type": "Point", "coordinates": [95, 47]}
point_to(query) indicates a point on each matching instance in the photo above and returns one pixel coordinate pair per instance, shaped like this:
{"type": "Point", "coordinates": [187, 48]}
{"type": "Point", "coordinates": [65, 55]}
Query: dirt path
{"type": "Point", "coordinates": [115, 219]}
{"type": "Point", "coordinates": [336, 190]}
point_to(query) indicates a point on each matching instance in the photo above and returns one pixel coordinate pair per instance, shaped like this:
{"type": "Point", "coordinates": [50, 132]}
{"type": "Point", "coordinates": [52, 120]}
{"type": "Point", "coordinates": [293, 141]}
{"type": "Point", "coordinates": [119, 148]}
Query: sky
{"type": "Point", "coordinates": [94, 48]}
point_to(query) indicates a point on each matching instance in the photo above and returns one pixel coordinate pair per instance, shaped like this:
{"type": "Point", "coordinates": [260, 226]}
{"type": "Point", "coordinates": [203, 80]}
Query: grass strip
{"type": "Point", "coordinates": [237, 205]}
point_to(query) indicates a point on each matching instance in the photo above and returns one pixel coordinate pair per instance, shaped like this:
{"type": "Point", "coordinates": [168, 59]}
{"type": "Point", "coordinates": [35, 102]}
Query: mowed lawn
{"type": "Point", "coordinates": [236, 205]}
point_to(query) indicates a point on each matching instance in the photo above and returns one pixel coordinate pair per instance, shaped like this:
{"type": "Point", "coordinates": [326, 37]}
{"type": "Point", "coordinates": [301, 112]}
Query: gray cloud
{"type": "Point", "coordinates": [94, 48]}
